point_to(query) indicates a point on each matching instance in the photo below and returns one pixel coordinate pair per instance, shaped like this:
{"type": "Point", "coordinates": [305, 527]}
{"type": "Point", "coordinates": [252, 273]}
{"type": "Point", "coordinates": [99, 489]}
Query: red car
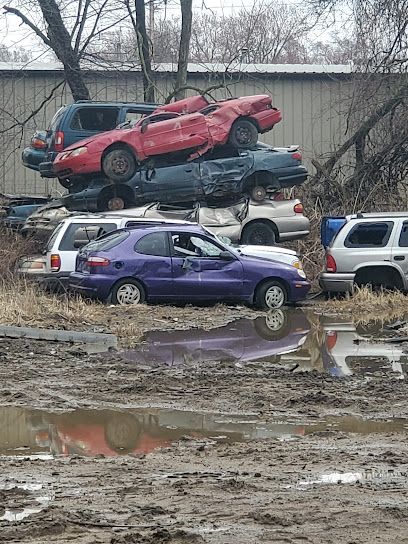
{"type": "Point", "coordinates": [192, 126]}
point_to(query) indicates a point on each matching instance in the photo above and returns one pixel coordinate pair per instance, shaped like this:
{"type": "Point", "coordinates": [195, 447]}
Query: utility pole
{"type": "Point", "coordinates": [151, 18]}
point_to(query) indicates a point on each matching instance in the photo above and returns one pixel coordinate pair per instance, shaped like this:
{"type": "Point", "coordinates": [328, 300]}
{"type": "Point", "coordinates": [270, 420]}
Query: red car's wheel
{"type": "Point", "coordinates": [243, 134]}
{"type": "Point", "coordinates": [119, 165]}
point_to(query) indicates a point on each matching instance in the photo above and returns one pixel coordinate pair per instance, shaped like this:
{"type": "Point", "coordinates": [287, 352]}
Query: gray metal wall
{"type": "Point", "coordinates": [312, 106]}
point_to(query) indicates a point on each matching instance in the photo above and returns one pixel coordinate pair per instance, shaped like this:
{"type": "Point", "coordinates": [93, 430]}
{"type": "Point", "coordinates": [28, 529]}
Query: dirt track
{"type": "Point", "coordinates": [320, 474]}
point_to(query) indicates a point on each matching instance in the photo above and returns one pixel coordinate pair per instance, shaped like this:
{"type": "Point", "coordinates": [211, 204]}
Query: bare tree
{"type": "Point", "coordinates": [67, 30]}
{"type": "Point", "coordinates": [184, 48]}
{"type": "Point", "coordinates": [374, 154]}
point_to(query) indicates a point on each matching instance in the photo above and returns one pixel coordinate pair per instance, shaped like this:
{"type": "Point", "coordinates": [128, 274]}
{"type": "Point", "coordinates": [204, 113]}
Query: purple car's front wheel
{"type": "Point", "coordinates": [271, 295]}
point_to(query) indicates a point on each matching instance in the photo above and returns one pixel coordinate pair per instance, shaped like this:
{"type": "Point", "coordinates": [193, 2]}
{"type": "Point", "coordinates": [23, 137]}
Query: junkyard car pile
{"type": "Point", "coordinates": [193, 167]}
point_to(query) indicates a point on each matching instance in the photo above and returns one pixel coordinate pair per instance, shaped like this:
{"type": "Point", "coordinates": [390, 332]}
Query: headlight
{"type": "Point", "coordinates": [297, 264]}
{"type": "Point", "coordinates": [301, 273]}
{"type": "Point", "coordinates": [78, 151]}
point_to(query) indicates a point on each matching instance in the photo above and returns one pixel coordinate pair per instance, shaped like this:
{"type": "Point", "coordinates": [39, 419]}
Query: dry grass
{"type": "Point", "coordinates": [12, 247]}
{"type": "Point", "coordinates": [365, 305]}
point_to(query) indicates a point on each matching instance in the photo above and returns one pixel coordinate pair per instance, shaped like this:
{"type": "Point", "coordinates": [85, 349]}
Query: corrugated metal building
{"type": "Point", "coordinates": [313, 100]}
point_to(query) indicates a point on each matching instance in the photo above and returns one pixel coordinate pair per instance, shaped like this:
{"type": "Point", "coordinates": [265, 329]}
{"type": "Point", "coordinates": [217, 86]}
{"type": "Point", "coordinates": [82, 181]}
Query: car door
{"type": "Point", "coordinates": [153, 265]}
{"type": "Point", "coordinates": [200, 271]}
{"type": "Point", "coordinates": [399, 255]}
{"type": "Point", "coordinates": [178, 182]}
{"type": "Point", "coordinates": [176, 134]}
{"type": "Point", "coordinates": [222, 172]}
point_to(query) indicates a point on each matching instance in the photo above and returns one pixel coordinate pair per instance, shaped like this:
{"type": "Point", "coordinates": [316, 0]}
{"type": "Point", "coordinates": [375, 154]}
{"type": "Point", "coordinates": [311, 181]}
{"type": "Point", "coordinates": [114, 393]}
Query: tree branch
{"type": "Point", "coordinates": [27, 21]}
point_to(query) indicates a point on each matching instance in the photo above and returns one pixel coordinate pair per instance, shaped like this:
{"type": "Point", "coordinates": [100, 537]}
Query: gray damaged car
{"type": "Point", "coordinates": [245, 222]}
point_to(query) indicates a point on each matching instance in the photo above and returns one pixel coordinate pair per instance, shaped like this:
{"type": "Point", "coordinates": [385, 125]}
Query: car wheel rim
{"type": "Point", "coordinates": [116, 203]}
{"type": "Point", "coordinates": [243, 135]}
{"type": "Point", "coordinates": [274, 297]}
{"type": "Point", "coordinates": [128, 294]}
{"type": "Point", "coordinates": [258, 193]}
{"type": "Point", "coordinates": [275, 320]}
{"type": "Point", "coordinates": [120, 165]}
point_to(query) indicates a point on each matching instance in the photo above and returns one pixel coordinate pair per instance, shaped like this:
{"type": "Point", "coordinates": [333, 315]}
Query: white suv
{"type": "Point", "coordinates": [370, 248]}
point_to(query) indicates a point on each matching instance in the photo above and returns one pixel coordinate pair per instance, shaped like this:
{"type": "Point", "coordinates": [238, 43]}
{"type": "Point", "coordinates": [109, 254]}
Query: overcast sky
{"type": "Point", "coordinates": [13, 33]}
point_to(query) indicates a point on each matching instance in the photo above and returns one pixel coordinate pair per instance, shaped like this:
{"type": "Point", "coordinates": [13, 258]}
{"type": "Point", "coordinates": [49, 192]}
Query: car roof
{"type": "Point", "coordinates": [373, 215]}
{"type": "Point", "coordinates": [104, 216]}
{"type": "Point", "coordinates": [94, 103]}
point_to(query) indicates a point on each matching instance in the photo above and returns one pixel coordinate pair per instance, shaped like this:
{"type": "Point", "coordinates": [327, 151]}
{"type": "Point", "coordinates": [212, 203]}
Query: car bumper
{"type": "Point", "coordinates": [336, 282]}
{"type": "Point", "coordinates": [288, 177]}
{"type": "Point", "coordinates": [32, 158]}
{"type": "Point", "coordinates": [292, 228]}
{"type": "Point", "coordinates": [91, 285]}
{"type": "Point", "coordinates": [299, 290]}
{"type": "Point", "coordinates": [87, 163]}
{"type": "Point", "coordinates": [46, 169]}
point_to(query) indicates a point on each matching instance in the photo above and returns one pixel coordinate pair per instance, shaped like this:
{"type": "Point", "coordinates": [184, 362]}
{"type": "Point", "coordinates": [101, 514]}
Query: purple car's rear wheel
{"type": "Point", "coordinates": [128, 292]}
{"type": "Point", "coordinates": [271, 295]}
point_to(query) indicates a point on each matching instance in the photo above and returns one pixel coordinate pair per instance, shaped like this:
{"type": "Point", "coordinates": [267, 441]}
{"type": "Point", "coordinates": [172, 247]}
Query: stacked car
{"type": "Point", "coordinates": [176, 165]}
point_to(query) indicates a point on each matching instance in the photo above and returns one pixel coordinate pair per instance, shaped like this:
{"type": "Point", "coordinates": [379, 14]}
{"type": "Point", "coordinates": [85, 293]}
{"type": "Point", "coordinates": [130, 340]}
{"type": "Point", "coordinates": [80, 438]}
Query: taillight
{"type": "Point", "coordinates": [97, 261]}
{"type": "Point", "coordinates": [331, 339]}
{"type": "Point", "coordinates": [331, 265]}
{"type": "Point", "coordinates": [55, 263]}
{"type": "Point", "coordinates": [59, 141]}
{"type": "Point", "coordinates": [297, 156]}
{"type": "Point", "coordinates": [37, 143]}
{"type": "Point", "coordinates": [298, 208]}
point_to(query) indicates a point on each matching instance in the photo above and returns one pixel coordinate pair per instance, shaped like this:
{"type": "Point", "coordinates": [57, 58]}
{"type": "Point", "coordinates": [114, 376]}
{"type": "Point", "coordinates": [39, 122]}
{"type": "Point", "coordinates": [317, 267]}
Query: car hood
{"type": "Point", "coordinates": [265, 251]}
{"type": "Point", "coordinates": [86, 141]}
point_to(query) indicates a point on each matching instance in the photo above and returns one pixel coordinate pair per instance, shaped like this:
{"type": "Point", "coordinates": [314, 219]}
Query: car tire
{"type": "Point", "coordinates": [119, 165]}
{"type": "Point", "coordinates": [258, 193]}
{"type": "Point", "coordinates": [243, 134]}
{"type": "Point", "coordinates": [122, 433]}
{"type": "Point", "coordinates": [259, 233]}
{"type": "Point", "coordinates": [274, 326]}
{"type": "Point", "coordinates": [128, 292]}
{"type": "Point", "coordinates": [271, 295]}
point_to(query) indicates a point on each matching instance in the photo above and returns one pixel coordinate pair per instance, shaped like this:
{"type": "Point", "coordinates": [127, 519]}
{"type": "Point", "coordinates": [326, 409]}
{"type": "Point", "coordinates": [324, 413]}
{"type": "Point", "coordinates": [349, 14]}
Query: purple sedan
{"type": "Point", "coordinates": [181, 262]}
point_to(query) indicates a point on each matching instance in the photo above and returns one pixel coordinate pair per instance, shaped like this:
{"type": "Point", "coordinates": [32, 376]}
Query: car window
{"type": "Point", "coordinates": [191, 245]}
{"type": "Point", "coordinates": [95, 119]}
{"type": "Point", "coordinates": [53, 237]}
{"type": "Point", "coordinates": [108, 241]}
{"type": "Point", "coordinates": [56, 120]}
{"type": "Point", "coordinates": [403, 239]}
{"type": "Point", "coordinates": [154, 243]}
{"type": "Point", "coordinates": [79, 234]}
{"type": "Point", "coordinates": [132, 116]}
{"type": "Point", "coordinates": [369, 234]}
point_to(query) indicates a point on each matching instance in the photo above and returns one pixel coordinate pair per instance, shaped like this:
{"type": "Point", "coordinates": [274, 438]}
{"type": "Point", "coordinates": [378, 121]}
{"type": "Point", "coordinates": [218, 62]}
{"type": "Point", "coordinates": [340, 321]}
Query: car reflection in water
{"type": "Point", "coordinates": [243, 340]}
{"type": "Point", "coordinates": [349, 349]}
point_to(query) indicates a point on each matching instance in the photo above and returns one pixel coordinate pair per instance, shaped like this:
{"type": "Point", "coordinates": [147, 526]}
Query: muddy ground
{"type": "Point", "coordinates": [231, 445]}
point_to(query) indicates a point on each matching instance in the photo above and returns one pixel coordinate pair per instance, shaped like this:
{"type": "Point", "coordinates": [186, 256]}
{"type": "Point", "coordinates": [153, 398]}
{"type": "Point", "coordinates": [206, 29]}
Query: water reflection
{"type": "Point", "coordinates": [25, 432]}
{"type": "Point", "coordinates": [302, 340]}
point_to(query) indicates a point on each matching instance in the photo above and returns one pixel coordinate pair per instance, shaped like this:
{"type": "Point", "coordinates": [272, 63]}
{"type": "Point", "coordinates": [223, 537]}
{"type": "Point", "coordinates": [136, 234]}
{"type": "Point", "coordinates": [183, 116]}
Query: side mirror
{"type": "Point", "coordinates": [226, 256]}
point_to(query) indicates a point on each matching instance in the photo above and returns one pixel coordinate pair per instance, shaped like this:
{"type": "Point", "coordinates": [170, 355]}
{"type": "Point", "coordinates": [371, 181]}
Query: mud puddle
{"type": "Point", "coordinates": [20, 500]}
{"type": "Point", "coordinates": [34, 434]}
{"type": "Point", "coordinates": [300, 340]}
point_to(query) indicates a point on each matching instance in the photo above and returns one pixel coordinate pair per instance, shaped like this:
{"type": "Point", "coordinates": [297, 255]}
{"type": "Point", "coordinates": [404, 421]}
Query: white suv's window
{"type": "Point", "coordinates": [78, 234]}
{"type": "Point", "coordinates": [403, 239]}
{"type": "Point", "coordinates": [369, 234]}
